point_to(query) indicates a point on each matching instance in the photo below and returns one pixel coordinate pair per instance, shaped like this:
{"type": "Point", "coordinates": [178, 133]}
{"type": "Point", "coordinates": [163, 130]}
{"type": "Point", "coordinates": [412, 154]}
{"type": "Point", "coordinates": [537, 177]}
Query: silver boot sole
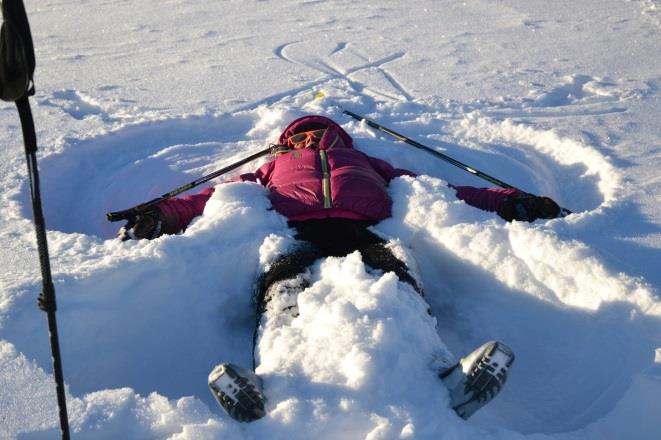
{"type": "Point", "coordinates": [478, 377]}
{"type": "Point", "coordinates": [238, 392]}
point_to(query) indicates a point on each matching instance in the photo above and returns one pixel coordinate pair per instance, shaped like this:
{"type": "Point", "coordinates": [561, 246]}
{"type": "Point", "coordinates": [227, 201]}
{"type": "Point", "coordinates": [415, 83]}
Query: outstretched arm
{"type": "Point", "coordinates": [175, 214]}
{"type": "Point", "coordinates": [168, 217]}
{"type": "Point", "coordinates": [509, 203]}
{"type": "Point", "coordinates": [179, 212]}
{"type": "Point", "coordinates": [486, 199]}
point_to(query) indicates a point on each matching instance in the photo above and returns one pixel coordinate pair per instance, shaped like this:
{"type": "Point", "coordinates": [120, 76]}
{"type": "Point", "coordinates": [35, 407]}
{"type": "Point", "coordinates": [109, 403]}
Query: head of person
{"type": "Point", "coordinates": [316, 132]}
{"type": "Point", "coordinates": [306, 137]}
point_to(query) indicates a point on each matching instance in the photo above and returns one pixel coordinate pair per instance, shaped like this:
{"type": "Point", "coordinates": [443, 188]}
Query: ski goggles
{"type": "Point", "coordinates": [305, 139]}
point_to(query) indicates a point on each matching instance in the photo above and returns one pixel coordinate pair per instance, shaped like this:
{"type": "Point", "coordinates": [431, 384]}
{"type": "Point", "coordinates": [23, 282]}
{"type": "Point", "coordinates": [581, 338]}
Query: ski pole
{"type": "Point", "coordinates": [130, 213]}
{"type": "Point", "coordinates": [16, 84]}
{"type": "Point", "coordinates": [563, 211]}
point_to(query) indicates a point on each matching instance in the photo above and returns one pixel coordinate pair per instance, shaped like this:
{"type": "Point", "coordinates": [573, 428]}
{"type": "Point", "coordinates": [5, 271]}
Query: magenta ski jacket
{"type": "Point", "coordinates": [331, 181]}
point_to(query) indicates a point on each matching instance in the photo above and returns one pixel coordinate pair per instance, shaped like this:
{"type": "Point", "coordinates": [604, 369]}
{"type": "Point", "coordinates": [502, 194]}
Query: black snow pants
{"type": "Point", "coordinates": [329, 238]}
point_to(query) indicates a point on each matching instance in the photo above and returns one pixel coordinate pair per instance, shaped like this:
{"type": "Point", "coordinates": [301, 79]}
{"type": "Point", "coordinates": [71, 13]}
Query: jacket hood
{"type": "Point", "coordinates": [334, 137]}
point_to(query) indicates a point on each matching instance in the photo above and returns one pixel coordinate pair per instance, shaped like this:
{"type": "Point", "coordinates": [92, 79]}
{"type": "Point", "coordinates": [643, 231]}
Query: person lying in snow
{"type": "Point", "coordinates": [330, 194]}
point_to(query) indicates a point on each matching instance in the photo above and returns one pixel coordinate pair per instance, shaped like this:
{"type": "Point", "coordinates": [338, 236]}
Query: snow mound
{"type": "Point", "coordinates": [152, 318]}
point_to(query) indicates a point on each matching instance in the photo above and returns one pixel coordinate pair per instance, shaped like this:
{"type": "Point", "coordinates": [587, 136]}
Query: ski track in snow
{"type": "Point", "coordinates": [373, 70]}
{"type": "Point", "coordinates": [546, 278]}
{"type": "Point", "coordinates": [651, 10]}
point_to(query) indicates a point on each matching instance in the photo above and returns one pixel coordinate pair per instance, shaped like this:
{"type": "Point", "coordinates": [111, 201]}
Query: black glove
{"type": "Point", "coordinates": [148, 224]}
{"type": "Point", "coordinates": [528, 208]}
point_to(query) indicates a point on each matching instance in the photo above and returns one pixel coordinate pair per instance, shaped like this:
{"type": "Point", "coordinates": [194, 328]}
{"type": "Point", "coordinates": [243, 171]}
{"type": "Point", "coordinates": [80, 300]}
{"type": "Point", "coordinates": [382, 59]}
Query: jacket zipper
{"type": "Point", "coordinates": [325, 182]}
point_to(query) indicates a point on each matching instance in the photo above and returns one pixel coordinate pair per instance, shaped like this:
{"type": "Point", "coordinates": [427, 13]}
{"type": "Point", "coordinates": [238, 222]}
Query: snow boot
{"type": "Point", "coordinates": [238, 391]}
{"type": "Point", "coordinates": [478, 377]}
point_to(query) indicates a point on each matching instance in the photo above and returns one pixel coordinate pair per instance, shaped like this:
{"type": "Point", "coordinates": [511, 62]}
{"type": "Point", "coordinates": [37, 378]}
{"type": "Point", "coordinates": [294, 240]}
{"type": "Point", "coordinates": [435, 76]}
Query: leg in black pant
{"type": "Point", "coordinates": [323, 238]}
{"type": "Point", "coordinates": [378, 256]}
{"type": "Point", "coordinates": [286, 267]}
{"type": "Point", "coordinates": [339, 237]}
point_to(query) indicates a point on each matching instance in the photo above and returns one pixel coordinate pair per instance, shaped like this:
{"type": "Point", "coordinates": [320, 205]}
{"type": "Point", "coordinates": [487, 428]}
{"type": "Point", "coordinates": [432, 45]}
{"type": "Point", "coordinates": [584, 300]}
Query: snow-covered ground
{"type": "Point", "coordinates": [136, 98]}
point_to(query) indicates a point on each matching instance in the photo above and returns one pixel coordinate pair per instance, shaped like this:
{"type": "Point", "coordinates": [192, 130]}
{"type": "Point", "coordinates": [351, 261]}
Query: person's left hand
{"type": "Point", "coordinates": [147, 225]}
{"type": "Point", "coordinates": [527, 207]}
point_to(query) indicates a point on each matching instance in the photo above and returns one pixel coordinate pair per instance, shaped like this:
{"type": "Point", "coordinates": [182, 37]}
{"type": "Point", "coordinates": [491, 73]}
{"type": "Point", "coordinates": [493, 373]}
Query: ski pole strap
{"type": "Point", "coordinates": [17, 52]}
{"type": "Point", "coordinates": [131, 213]}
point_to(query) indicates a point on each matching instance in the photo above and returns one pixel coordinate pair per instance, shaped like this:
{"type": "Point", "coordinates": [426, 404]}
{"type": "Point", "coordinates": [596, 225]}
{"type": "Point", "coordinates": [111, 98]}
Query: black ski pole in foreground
{"type": "Point", "coordinates": [16, 72]}
{"type": "Point", "coordinates": [129, 214]}
{"type": "Point", "coordinates": [563, 211]}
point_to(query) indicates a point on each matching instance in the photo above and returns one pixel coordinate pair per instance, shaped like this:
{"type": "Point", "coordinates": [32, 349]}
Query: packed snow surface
{"type": "Point", "coordinates": [137, 98]}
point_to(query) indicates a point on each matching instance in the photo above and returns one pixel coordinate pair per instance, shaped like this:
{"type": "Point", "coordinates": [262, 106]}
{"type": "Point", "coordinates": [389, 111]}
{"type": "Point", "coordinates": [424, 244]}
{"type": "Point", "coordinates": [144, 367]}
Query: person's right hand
{"type": "Point", "coordinates": [147, 225]}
